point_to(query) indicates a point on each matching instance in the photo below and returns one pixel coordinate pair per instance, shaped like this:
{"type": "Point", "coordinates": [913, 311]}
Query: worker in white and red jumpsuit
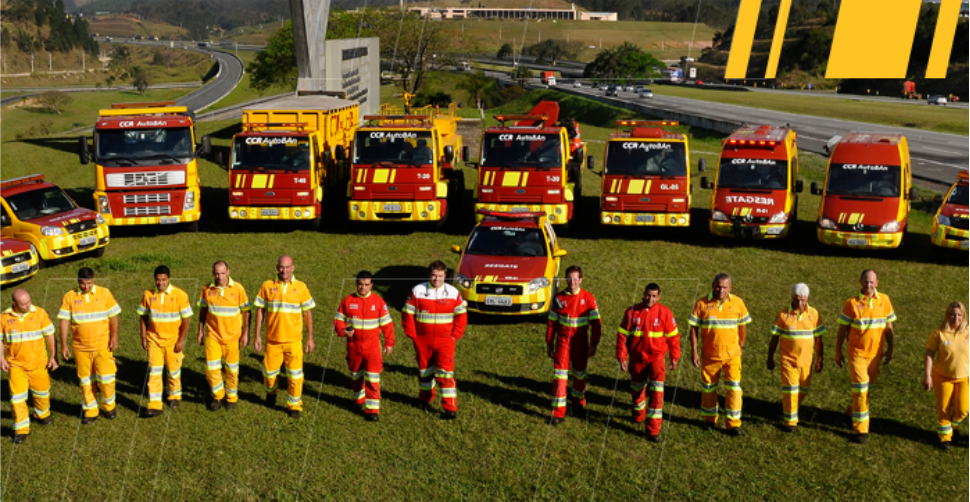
{"type": "Point", "coordinates": [434, 318]}
{"type": "Point", "coordinates": [362, 317]}
{"type": "Point", "coordinates": [572, 313]}
{"type": "Point", "coordinates": [645, 335]}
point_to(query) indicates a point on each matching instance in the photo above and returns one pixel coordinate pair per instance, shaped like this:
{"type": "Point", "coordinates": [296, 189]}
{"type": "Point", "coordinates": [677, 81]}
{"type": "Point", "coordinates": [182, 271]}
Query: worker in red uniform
{"type": "Point", "coordinates": [361, 318]}
{"type": "Point", "coordinates": [645, 335]}
{"type": "Point", "coordinates": [434, 318]}
{"type": "Point", "coordinates": [571, 315]}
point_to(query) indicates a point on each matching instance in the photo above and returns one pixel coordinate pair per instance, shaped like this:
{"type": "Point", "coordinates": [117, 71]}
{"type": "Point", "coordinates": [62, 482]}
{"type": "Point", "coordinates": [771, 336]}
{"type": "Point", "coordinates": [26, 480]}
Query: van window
{"type": "Point", "coordinates": [862, 179]}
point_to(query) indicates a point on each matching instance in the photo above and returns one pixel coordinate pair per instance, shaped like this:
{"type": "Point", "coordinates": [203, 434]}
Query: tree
{"type": "Point", "coordinates": [53, 101]}
{"type": "Point", "coordinates": [415, 45]}
{"type": "Point", "coordinates": [275, 65]}
{"type": "Point", "coordinates": [142, 80]}
{"type": "Point", "coordinates": [553, 50]}
{"type": "Point", "coordinates": [505, 51]}
{"type": "Point", "coordinates": [120, 56]}
{"type": "Point", "coordinates": [626, 61]}
{"type": "Point", "coordinates": [479, 86]}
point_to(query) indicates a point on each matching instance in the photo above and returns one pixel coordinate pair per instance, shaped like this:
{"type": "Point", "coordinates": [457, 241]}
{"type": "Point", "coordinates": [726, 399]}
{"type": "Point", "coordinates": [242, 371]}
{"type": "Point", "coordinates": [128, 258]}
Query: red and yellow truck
{"type": "Point", "coordinates": [405, 167]}
{"type": "Point", "coordinates": [289, 162]}
{"type": "Point", "coordinates": [950, 226]}
{"type": "Point", "coordinates": [868, 192]}
{"type": "Point", "coordinates": [533, 165]}
{"type": "Point", "coordinates": [646, 176]}
{"type": "Point", "coordinates": [146, 167]}
{"type": "Point", "coordinates": [756, 184]}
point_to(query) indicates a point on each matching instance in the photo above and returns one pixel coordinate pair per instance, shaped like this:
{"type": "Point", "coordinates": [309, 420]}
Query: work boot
{"type": "Point", "coordinates": [110, 415]}
{"type": "Point", "coordinates": [578, 412]}
{"type": "Point", "coordinates": [89, 420]}
{"type": "Point", "coordinates": [215, 404]}
{"type": "Point", "coordinates": [735, 432]}
{"type": "Point", "coordinates": [19, 438]}
{"type": "Point", "coordinates": [944, 445]}
{"type": "Point", "coordinates": [230, 406]}
{"type": "Point", "coordinates": [174, 403]}
{"type": "Point", "coordinates": [449, 415]}
{"type": "Point", "coordinates": [859, 438]}
{"type": "Point", "coordinates": [270, 400]}
{"type": "Point", "coordinates": [788, 428]}
{"type": "Point", "coordinates": [295, 414]}
{"type": "Point", "coordinates": [426, 406]}
{"type": "Point", "coordinates": [46, 421]}
{"type": "Point", "coordinates": [372, 417]}
{"type": "Point", "coordinates": [151, 413]}
{"type": "Point", "coordinates": [556, 420]}
{"type": "Point", "coordinates": [653, 439]}
{"type": "Point", "coordinates": [707, 426]}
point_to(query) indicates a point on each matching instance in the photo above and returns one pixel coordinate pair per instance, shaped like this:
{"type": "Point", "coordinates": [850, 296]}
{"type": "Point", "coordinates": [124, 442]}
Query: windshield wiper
{"type": "Point", "coordinates": [172, 158]}
{"type": "Point", "coordinates": [121, 159]}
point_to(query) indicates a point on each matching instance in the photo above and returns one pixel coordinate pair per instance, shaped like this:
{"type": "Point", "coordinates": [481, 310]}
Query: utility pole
{"type": "Point", "coordinates": [50, 62]}
{"type": "Point", "coordinates": [31, 62]}
{"type": "Point", "coordinates": [500, 33]}
{"type": "Point", "coordinates": [539, 40]}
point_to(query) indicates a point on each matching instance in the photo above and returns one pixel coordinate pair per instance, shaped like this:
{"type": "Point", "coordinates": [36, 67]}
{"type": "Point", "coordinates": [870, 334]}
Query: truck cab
{"type": "Point", "coordinates": [146, 167]}
{"type": "Point", "coordinates": [405, 167]}
{"type": "Point", "coordinates": [646, 176]}
{"type": "Point", "coordinates": [867, 193]}
{"type": "Point", "coordinates": [42, 215]}
{"type": "Point", "coordinates": [950, 226]}
{"type": "Point", "coordinates": [756, 185]}
{"type": "Point", "coordinates": [533, 165]}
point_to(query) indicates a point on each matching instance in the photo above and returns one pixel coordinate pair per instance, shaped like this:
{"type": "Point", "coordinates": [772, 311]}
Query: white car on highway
{"type": "Point", "coordinates": [646, 94]}
{"type": "Point", "coordinates": [937, 100]}
{"type": "Point", "coordinates": [628, 88]}
{"type": "Point", "coordinates": [577, 84]}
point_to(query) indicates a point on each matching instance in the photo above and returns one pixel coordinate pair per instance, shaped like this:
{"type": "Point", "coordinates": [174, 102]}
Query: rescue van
{"type": "Point", "coordinates": [867, 193]}
{"type": "Point", "coordinates": [646, 176]}
{"type": "Point", "coordinates": [756, 184]}
{"type": "Point", "coordinates": [950, 229]}
{"type": "Point", "coordinates": [509, 264]}
{"type": "Point", "coordinates": [18, 259]}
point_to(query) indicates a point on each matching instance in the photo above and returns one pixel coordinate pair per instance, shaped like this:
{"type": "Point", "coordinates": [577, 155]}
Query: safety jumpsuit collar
{"type": "Point", "coordinates": [710, 298]}
{"type": "Point", "coordinates": [20, 316]}
{"type": "Point", "coordinates": [868, 300]}
{"type": "Point", "coordinates": [279, 281]}
{"type": "Point", "coordinates": [168, 290]}
{"type": "Point", "coordinates": [358, 295]}
{"type": "Point", "coordinates": [222, 289]}
{"type": "Point", "coordinates": [432, 288]}
{"type": "Point", "coordinates": [94, 290]}
{"type": "Point", "coordinates": [792, 309]}
{"type": "Point", "coordinates": [570, 293]}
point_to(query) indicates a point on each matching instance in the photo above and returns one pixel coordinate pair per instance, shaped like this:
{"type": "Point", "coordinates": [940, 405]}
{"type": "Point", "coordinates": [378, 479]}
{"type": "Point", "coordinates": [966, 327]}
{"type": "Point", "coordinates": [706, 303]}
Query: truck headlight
{"type": "Point", "coordinates": [51, 231]}
{"type": "Point", "coordinates": [779, 218]}
{"type": "Point", "coordinates": [463, 281]}
{"type": "Point", "coordinates": [537, 284]}
{"type": "Point", "coordinates": [719, 216]}
{"type": "Point", "coordinates": [891, 227]}
{"type": "Point", "coordinates": [189, 201]}
{"type": "Point", "coordinates": [99, 219]}
{"type": "Point", "coordinates": [827, 224]}
{"type": "Point", "coordinates": [103, 206]}
{"type": "Point", "coordinates": [943, 220]}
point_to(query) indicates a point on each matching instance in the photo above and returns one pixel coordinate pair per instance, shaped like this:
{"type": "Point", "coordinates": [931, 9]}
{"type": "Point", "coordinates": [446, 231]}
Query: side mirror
{"type": "Point", "coordinates": [339, 153]}
{"type": "Point", "coordinates": [219, 161]}
{"type": "Point", "coordinates": [702, 165]}
{"type": "Point", "coordinates": [206, 146]}
{"type": "Point", "coordinates": [4, 220]}
{"type": "Point", "coordinates": [327, 158]}
{"type": "Point", "coordinates": [705, 183]}
{"type": "Point", "coordinates": [590, 163]}
{"type": "Point", "coordinates": [464, 152]}
{"type": "Point", "coordinates": [449, 154]}
{"type": "Point", "coordinates": [799, 186]}
{"type": "Point", "coordinates": [913, 193]}
{"type": "Point", "coordinates": [82, 150]}
{"type": "Point", "coordinates": [559, 253]}
{"type": "Point", "coordinates": [816, 190]}
{"type": "Point", "coordinates": [456, 249]}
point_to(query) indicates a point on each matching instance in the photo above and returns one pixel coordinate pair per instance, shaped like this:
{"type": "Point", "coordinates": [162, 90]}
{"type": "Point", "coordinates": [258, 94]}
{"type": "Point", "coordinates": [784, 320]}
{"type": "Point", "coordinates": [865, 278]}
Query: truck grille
{"type": "Point", "coordinates": [529, 199]}
{"type": "Point", "coordinates": [148, 198]}
{"type": "Point", "coordinates": [493, 289]}
{"type": "Point", "coordinates": [15, 259]}
{"type": "Point", "coordinates": [845, 227]}
{"type": "Point", "coordinates": [146, 179]}
{"type": "Point", "coordinates": [147, 211]}
{"type": "Point", "coordinates": [754, 220]}
{"type": "Point", "coordinates": [82, 226]}
{"type": "Point", "coordinates": [961, 223]}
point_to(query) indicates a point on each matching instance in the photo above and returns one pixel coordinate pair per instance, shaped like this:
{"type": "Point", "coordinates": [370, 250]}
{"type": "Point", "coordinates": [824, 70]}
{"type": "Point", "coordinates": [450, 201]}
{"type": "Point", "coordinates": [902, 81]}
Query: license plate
{"type": "Point", "coordinates": [269, 212]}
{"type": "Point", "coordinates": [168, 220]}
{"type": "Point", "coordinates": [857, 242]}
{"type": "Point", "coordinates": [393, 208]}
{"type": "Point", "coordinates": [519, 210]}
{"type": "Point", "coordinates": [499, 301]}
{"type": "Point", "coordinates": [87, 241]}
{"type": "Point", "coordinates": [644, 218]}
{"type": "Point", "coordinates": [20, 267]}
{"type": "Point", "coordinates": [965, 245]}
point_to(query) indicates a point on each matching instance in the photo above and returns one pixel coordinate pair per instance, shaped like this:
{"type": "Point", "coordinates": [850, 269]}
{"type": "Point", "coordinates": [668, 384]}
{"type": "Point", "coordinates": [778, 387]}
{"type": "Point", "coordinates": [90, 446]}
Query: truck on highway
{"type": "Point", "coordinates": [405, 166]}
{"type": "Point", "coordinates": [756, 187]}
{"type": "Point", "coordinates": [534, 164]}
{"type": "Point", "coordinates": [646, 175]}
{"type": "Point", "coordinates": [146, 164]}
{"type": "Point", "coordinates": [950, 226]}
{"type": "Point", "coordinates": [868, 192]}
{"type": "Point", "coordinates": [290, 160]}
{"type": "Point", "coordinates": [549, 78]}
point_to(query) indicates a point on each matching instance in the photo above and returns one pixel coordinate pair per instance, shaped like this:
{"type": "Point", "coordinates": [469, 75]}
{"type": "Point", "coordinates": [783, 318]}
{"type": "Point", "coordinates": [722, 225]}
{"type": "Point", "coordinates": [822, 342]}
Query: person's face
{"type": "Point", "coordinates": [799, 303]}
{"type": "Point", "coordinates": [573, 281]}
{"type": "Point", "coordinates": [869, 283]}
{"type": "Point", "coordinates": [722, 289]}
{"type": "Point", "coordinates": [161, 282]}
{"type": "Point", "coordinates": [284, 269]}
{"type": "Point", "coordinates": [364, 286]}
{"type": "Point", "coordinates": [956, 317]}
{"type": "Point", "coordinates": [85, 285]}
{"type": "Point", "coordinates": [220, 274]}
{"type": "Point", "coordinates": [437, 278]}
{"type": "Point", "coordinates": [651, 298]}
{"type": "Point", "coordinates": [22, 304]}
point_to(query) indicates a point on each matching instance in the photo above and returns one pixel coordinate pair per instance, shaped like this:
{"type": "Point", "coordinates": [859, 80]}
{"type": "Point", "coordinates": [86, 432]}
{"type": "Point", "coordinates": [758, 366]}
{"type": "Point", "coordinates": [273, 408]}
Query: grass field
{"type": "Point", "coordinates": [500, 447]}
{"type": "Point", "coordinates": [935, 118]}
{"type": "Point", "coordinates": [124, 26]}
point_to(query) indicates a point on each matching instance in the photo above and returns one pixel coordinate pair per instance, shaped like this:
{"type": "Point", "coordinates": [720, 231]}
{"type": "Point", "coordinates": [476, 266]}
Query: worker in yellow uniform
{"type": "Point", "coordinates": [165, 313]}
{"type": "Point", "coordinates": [285, 304]}
{"type": "Point", "coordinates": [721, 320]}
{"type": "Point", "coordinates": [800, 330]}
{"type": "Point", "coordinates": [867, 321]}
{"type": "Point", "coordinates": [90, 315]}
{"type": "Point", "coordinates": [224, 329]}
{"type": "Point", "coordinates": [27, 352]}
{"type": "Point", "coordinates": [950, 346]}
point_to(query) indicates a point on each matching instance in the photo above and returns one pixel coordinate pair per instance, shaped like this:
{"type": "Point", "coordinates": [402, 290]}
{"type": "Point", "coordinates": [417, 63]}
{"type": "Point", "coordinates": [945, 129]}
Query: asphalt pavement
{"type": "Point", "coordinates": [230, 73]}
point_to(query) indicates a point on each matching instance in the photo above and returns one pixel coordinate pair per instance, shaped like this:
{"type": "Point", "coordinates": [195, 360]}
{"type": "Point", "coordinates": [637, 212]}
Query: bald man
{"type": "Point", "coordinates": [27, 351]}
{"type": "Point", "coordinates": [285, 304]}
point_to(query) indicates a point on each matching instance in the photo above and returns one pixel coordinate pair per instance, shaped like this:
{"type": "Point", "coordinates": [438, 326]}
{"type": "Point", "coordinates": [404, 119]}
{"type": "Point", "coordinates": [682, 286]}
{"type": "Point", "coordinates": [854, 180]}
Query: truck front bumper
{"type": "Point", "coordinates": [415, 210]}
{"type": "Point", "coordinates": [645, 219]}
{"type": "Point", "coordinates": [857, 240]}
{"type": "Point", "coordinates": [742, 231]}
{"type": "Point", "coordinates": [273, 213]}
{"type": "Point", "coordinates": [950, 237]}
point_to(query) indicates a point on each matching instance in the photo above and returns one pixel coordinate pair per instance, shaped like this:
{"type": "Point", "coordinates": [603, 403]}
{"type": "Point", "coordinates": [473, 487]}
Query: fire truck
{"type": "Point", "coordinates": [756, 184]}
{"type": "Point", "coordinates": [868, 192]}
{"type": "Point", "coordinates": [646, 176]}
{"type": "Point", "coordinates": [533, 165]}
{"type": "Point", "coordinates": [405, 166]}
{"type": "Point", "coordinates": [290, 159]}
{"type": "Point", "coordinates": [146, 165]}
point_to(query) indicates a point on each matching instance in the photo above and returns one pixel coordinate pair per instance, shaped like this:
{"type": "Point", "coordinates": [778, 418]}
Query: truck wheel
{"type": "Point", "coordinates": [98, 253]}
{"type": "Point", "coordinates": [192, 227]}
{"type": "Point", "coordinates": [314, 224]}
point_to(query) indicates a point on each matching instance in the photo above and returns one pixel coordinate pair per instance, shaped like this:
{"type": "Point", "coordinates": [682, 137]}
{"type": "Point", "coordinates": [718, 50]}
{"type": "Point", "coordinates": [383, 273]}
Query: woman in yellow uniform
{"type": "Point", "coordinates": [949, 346]}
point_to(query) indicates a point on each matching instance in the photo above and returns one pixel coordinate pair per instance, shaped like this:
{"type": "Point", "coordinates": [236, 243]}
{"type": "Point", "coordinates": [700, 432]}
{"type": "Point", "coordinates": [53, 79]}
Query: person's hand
{"type": "Point", "coordinates": [66, 352]}
{"type": "Point", "coordinates": [624, 365]}
{"type": "Point", "coordinates": [52, 363]}
{"type": "Point", "coordinates": [4, 366]}
{"type": "Point", "coordinates": [592, 351]}
{"type": "Point", "coordinates": [551, 350]}
{"type": "Point", "coordinates": [838, 359]}
{"type": "Point", "coordinates": [310, 345]}
{"type": "Point", "coordinates": [695, 358]}
{"type": "Point", "coordinates": [201, 338]}
{"type": "Point", "coordinates": [673, 364]}
{"type": "Point", "coordinates": [887, 357]}
{"type": "Point", "coordinates": [179, 347]}
{"type": "Point", "coordinates": [144, 342]}
{"type": "Point", "coordinates": [258, 344]}
{"type": "Point", "coordinates": [349, 332]}
{"type": "Point", "coordinates": [243, 341]}
{"type": "Point", "coordinates": [387, 350]}
{"type": "Point", "coordinates": [113, 343]}
{"type": "Point", "coordinates": [928, 383]}
{"type": "Point", "coordinates": [818, 365]}
{"type": "Point", "coordinates": [771, 364]}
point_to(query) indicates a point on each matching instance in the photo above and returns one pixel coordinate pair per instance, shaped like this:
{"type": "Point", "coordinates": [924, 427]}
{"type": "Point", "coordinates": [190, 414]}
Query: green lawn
{"type": "Point", "coordinates": [500, 447]}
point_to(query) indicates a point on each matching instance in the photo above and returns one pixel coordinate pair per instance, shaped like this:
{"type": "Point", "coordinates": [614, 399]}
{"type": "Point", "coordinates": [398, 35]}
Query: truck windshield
{"type": "Point", "coordinates": [959, 196]}
{"type": "Point", "coordinates": [288, 153]}
{"type": "Point", "coordinates": [39, 203]}
{"type": "Point", "coordinates": [861, 179]}
{"type": "Point", "coordinates": [522, 149]}
{"type": "Point", "coordinates": [126, 147]}
{"type": "Point", "coordinates": [399, 147]}
{"type": "Point", "coordinates": [646, 158]}
{"type": "Point", "coordinates": [767, 174]}
{"type": "Point", "coordinates": [507, 241]}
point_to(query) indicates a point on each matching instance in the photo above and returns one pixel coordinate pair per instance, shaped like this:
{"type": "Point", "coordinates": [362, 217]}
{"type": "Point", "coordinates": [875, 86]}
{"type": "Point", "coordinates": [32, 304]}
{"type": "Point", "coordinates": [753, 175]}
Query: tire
{"type": "Point", "coordinates": [314, 224]}
{"type": "Point", "coordinates": [40, 259]}
{"type": "Point", "coordinates": [192, 227]}
{"type": "Point", "coordinates": [98, 253]}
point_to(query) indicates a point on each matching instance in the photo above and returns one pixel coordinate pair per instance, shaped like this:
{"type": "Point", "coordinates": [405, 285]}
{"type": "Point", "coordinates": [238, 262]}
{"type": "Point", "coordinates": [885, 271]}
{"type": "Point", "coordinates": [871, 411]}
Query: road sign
{"type": "Point", "coordinates": [693, 73]}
